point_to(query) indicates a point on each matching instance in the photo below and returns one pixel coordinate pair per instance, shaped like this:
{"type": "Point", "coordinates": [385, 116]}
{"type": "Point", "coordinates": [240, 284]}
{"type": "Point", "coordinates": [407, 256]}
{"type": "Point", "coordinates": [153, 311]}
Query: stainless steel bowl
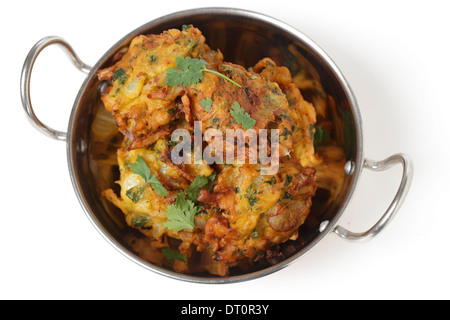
{"type": "Point", "coordinates": [244, 37]}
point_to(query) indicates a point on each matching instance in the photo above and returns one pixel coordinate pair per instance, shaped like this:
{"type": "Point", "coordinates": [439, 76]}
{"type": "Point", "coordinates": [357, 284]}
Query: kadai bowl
{"type": "Point", "coordinates": [214, 69]}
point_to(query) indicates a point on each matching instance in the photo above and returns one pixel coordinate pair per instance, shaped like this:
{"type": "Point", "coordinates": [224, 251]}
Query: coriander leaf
{"type": "Point", "coordinates": [272, 181]}
{"type": "Point", "coordinates": [206, 104]}
{"type": "Point", "coordinates": [286, 133]}
{"type": "Point", "coordinates": [139, 221]}
{"type": "Point", "coordinates": [181, 200]}
{"type": "Point", "coordinates": [288, 180]}
{"type": "Point", "coordinates": [252, 199]}
{"type": "Point", "coordinates": [120, 75]}
{"type": "Point", "coordinates": [212, 177]}
{"type": "Point", "coordinates": [181, 218]}
{"type": "Point", "coordinates": [286, 117]}
{"type": "Point", "coordinates": [251, 195]}
{"type": "Point", "coordinates": [190, 71]}
{"type": "Point", "coordinates": [173, 254]}
{"type": "Point", "coordinates": [181, 214]}
{"type": "Point", "coordinates": [135, 194]}
{"type": "Point", "coordinates": [287, 196]}
{"type": "Point", "coordinates": [190, 63]}
{"type": "Point", "coordinates": [159, 188]}
{"type": "Point", "coordinates": [193, 191]}
{"type": "Point", "coordinates": [319, 134]}
{"type": "Point", "coordinates": [242, 117]}
{"type": "Point", "coordinates": [141, 168]}
{"type": "Point", "coordinates": [172, 111]}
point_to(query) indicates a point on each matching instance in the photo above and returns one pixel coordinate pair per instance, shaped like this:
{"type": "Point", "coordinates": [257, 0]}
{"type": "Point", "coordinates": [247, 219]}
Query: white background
{"type": "Point", "coordinates": [395, 55]}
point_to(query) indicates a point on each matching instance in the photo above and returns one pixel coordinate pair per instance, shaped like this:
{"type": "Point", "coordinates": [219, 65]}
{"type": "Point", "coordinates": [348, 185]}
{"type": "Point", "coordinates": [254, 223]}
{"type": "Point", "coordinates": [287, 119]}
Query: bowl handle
{"type": "Point", "coordinates": [26, 75]}
{"type": "Point", "coordinates": [396, 203]}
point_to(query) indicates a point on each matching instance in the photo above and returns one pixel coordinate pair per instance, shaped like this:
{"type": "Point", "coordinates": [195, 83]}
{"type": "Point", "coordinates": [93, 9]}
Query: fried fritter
{"type": "Point", "coordinates": [241, 213]}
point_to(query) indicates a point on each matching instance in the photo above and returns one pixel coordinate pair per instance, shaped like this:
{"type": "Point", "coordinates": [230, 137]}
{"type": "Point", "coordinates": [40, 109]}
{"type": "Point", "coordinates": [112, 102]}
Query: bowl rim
{"type": "Point", "coordinates": [242, 13]}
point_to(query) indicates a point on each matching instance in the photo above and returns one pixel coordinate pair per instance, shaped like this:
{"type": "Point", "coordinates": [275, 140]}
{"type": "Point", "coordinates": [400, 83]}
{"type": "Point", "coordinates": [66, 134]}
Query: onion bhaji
{"type": "Point", "coordinates": [240, 214]}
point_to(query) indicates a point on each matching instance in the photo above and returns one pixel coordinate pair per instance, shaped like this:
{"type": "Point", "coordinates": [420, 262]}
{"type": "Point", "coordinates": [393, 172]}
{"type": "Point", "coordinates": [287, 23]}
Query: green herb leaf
{"type": "Point", "coordinates": [286, 133]}
{"type": "Point", "coordinates": [285, 117]}
{"type": "Point", "coordinates": [287, 196]}
{"type": "Point", "coordinates": [120, 75]}
{"type": "Point", "coordinates": [141, 168]}
{"type": "Point", "coordinates": [135, 194]}
{"type": "Point", "coordinates": [212, 177]}
{"type": "Point", "coordinates": [193, 191]}
{"type": "Point", "coordinates": [206, 104]}
{"type": "Point", "coordinates": [173, 254]}
{"type": "Point", "coordinates": [159, 188]}
{"type": "Point", "coordinates": [242, 117]}
{"type": "Point", "coordinates": [181, 200]}
{"type": "Point", "coordinates": [179, 218]}
{"type": "Point", "coordinates": [288, 180]}
{"type": "Point", "coordinates": [190, 71]}
{"type": "Point", "coordinates": [319, 135]}
{"type": "Point", "coordinates": [139, 221]}
{"type": "Point", "coordinates": [172, 111]}
{"type": "Point", "coordinates": [251, 195]}
{"type": "Point", "coordinates": [181, 214]}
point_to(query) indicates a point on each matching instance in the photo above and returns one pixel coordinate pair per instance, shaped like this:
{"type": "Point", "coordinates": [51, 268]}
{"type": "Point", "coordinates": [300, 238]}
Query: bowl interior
{"type": "Point", "coordinates": [244, 38]}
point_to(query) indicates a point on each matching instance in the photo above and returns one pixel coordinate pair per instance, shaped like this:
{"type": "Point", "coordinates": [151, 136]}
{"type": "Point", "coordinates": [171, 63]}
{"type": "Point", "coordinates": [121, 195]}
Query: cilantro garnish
{"type": "Point", "coordinates": [193, 191]}
{"type": "Point", "coordinates": [286, 133]}
{"type": "Point", "coordinates": [190, 71]}
{"type": "Point", "coordinates": [288, 180]}
{"type": "Point", "coordinates": [242, 117]}
{"type": "Point", "coordinates": [139, 221]}
{"type": "Point", "coordinates": [173, 254]}
{"type": "Point", "coordinates": [212, 177]}
{"type": "Point", "coordinates": [120, 75]}
{"type": "Point", "coordinates": [206, 104]}
{"type": "Point", "coordinates": [251, 195]}
{"type": "Point", "coordinates": [135, 194]}
{"type": "Point", "coordinates": [181, 217]}
{"type": "Point", "coordinates": [181, 214]}
{"type": "Point", "coordinates": [141, 168]}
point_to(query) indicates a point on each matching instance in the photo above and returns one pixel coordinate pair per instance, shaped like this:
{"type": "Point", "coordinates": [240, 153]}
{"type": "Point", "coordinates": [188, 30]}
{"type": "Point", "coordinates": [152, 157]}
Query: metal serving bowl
{"type": "Point", "coordinates": [244, 37]}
